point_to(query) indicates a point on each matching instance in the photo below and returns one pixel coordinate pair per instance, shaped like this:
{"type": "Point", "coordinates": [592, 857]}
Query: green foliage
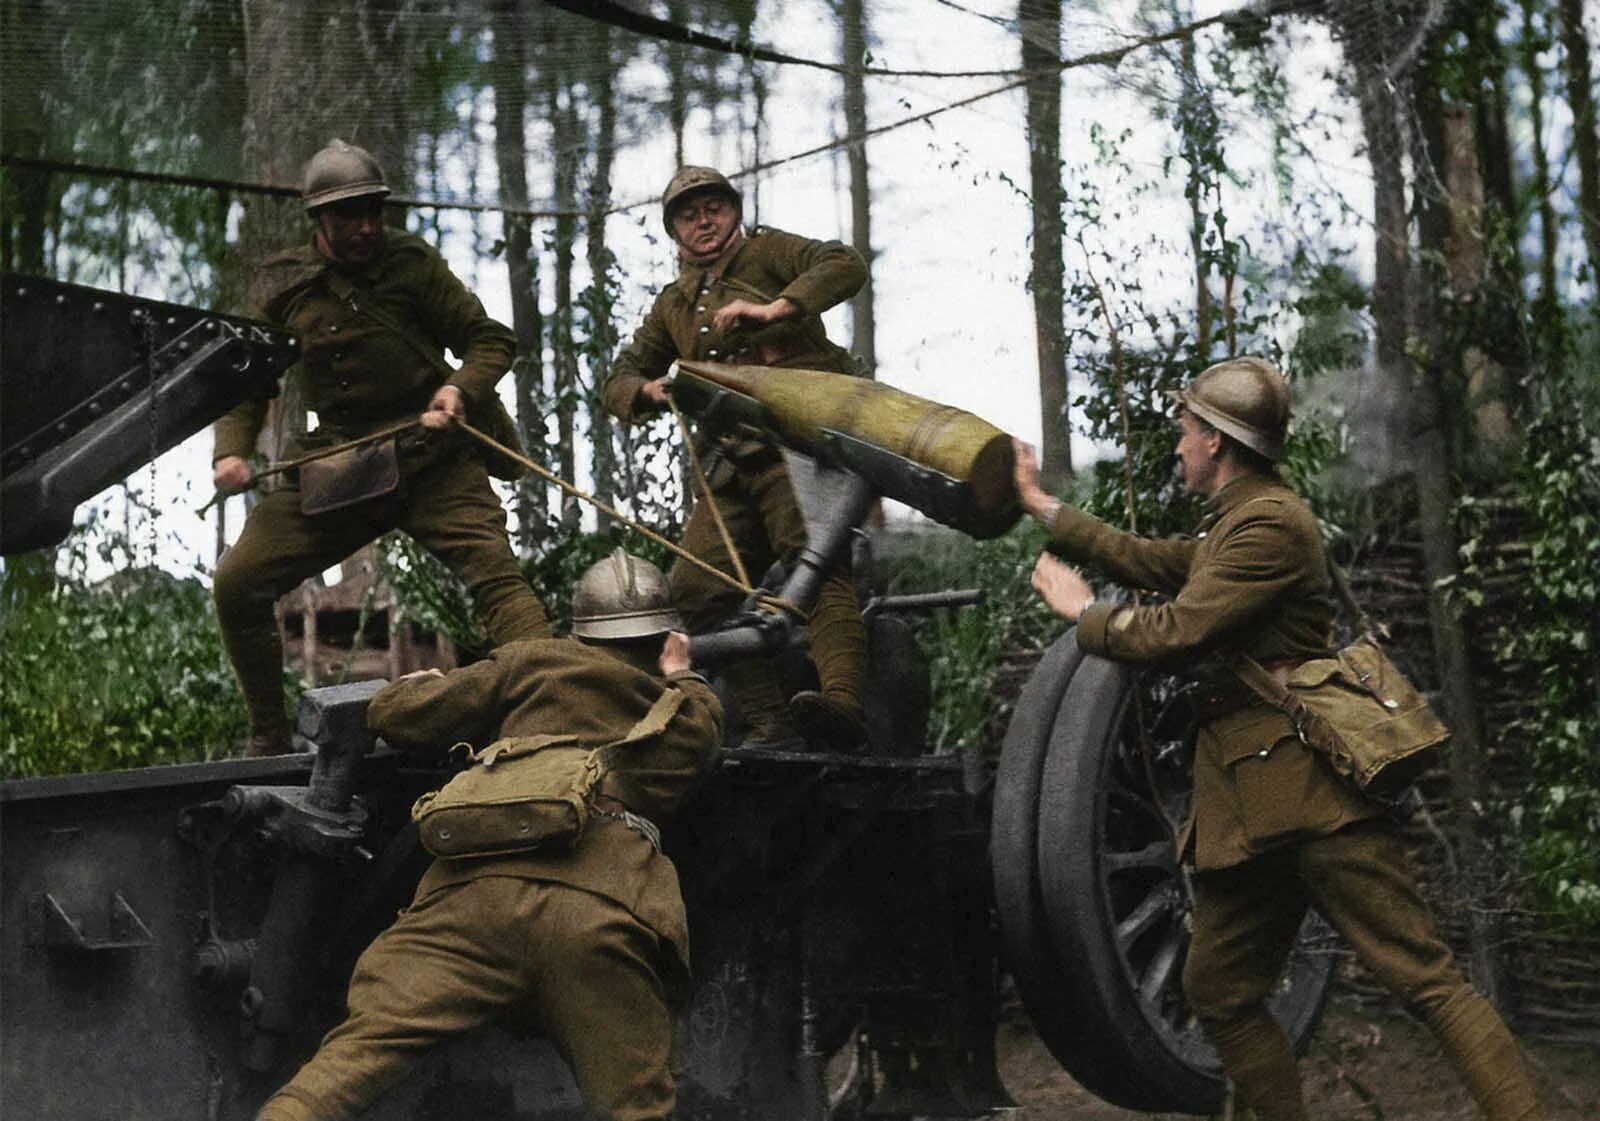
{"type": "Point", "coordinates": [965, 647]}
{"type": "Point", "coordinates": [1559, 815]}
{"type": "Point", "coordinates": [126, 673]}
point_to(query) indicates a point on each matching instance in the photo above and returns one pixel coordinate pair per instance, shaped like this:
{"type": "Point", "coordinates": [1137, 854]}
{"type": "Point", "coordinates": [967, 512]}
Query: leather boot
{"type": "Point", "coordinates": [263, 744]}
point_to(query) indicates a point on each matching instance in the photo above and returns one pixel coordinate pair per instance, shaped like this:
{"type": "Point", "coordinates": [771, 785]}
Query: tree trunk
{"type": "Point", "coordinates": [1196, 191]}
{"type": "Point", "coordinates": [1040, 24]}
{"type": "Point", "coordinates": [853, 48]}
{"type": "Point", "coordinates": [1440, 368]}
{"type": "Point", "coordinates": [522, 261]}
{"type": "Point", "coordinates": [567, 136]}
{"type": "Point", "coordinates": [602, 322]}
{"type": "Point", "coordinates": [1585, 139]}
{"type": "Point", "coordinates": [677, 83]}
{"type": "Point", "coordinates": [305, 87]}
{"type": "Point", "coordinates": [1547, 319]}
{"type": "Point", "coordinates": [28, 197]}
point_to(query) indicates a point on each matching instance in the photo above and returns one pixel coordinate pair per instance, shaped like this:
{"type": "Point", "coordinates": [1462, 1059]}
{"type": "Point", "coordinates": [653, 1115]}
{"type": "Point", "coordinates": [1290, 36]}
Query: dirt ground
{"type": "Point", "coordinates": [1362, 1066]}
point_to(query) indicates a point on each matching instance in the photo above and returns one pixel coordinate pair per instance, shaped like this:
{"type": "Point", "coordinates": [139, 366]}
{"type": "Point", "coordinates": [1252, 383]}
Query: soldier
{"type": "Point", "coordinates": [374, 310]}
{"type": "Point", "coordinates": [754, 298]}
{"type": "Point", "coordinates": [586, 941]}
{"type": "Point", "coordinates": [1273, 829]}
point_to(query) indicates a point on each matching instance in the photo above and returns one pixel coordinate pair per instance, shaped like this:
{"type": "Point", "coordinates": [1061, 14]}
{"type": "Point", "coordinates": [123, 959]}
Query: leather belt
{"type": "Point", "coordinates": [615, 809]}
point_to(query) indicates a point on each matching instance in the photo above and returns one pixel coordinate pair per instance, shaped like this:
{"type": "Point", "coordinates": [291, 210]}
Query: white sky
{"type": "Point", "coordinates": [950, 220]}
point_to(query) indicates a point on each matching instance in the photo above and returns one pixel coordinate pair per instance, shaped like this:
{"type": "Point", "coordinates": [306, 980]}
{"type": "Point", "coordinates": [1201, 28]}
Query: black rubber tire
{"type": "Point", "coordinates": [1116, 903]}
{"type": "Point", "coordinates": [1013, 843]}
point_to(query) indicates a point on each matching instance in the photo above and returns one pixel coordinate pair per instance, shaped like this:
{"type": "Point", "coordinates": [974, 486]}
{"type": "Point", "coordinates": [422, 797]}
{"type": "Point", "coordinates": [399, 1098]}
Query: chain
{"type": "Point", "coordinates": [154, 423]}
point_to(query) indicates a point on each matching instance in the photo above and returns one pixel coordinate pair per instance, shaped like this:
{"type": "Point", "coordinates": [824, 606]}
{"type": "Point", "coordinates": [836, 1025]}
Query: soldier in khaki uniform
{"type": "Point", "coordinates": [752, 298]}
{"type": "Point", "coordinates": [374, 310]}
{"type": "Point", "coordinates": [1273, 829]}
{"type": "Point", "coordinates": [587, 941]}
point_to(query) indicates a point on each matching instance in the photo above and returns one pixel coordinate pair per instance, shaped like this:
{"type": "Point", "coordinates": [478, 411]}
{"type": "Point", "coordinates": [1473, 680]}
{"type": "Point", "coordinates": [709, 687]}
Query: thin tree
{"type": "Point", "coordinates": [853, 53]}
{"type": "Point", "coordinates": [1585, 138]}
{"type": "Point", "coordinates": [1039, 22]}
{"type": "Point", "coordinates": [509, 74]}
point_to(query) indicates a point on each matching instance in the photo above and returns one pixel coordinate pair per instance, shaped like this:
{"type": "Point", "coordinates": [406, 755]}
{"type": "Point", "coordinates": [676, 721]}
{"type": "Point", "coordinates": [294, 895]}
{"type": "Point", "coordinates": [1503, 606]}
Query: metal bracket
{"type": "Point", "coordinates": [126, 930]}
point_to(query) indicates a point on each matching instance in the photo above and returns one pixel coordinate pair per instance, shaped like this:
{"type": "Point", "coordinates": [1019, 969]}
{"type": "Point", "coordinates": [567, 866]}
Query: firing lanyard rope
{"type": "Point", "coordinates": [740, 583]}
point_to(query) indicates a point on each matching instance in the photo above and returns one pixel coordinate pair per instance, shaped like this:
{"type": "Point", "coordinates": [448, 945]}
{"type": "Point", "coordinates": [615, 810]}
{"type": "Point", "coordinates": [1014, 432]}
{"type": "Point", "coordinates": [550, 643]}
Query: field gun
{"type": "Point", "coordinates": [175, 937]}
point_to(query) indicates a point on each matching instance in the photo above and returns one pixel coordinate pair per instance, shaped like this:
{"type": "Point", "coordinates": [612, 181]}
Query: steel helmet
{"type": "Point", "coordinates": [338, 172]}
{"type": "Point", "coordinates": [690, 179]}
{"type": "Point", "coordinates": [622, 596]}
{"type": "Point", "coordinates": [1246, 398]}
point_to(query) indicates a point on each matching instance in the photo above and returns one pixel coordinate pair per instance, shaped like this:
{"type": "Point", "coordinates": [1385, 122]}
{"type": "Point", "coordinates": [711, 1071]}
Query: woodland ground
{"type": "Point", "coordinates": [1364, 1065]}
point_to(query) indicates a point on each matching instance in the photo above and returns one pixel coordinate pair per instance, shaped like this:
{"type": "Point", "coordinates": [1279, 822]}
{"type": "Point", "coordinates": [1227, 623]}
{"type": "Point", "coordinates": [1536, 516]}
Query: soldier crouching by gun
{"type": "Point", "coordinates": [579, 931]}
{"type": "Point", "coordinates": [754, 299]}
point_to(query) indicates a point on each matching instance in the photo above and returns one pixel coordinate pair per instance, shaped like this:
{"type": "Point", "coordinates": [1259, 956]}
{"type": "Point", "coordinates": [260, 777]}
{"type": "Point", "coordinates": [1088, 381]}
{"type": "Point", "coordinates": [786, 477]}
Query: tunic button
{"type": "Point", "coordinates": [703, 330]}
{"type": "Point", "coordinates": [333, 328]}
{"type": "Point", "coordinates": [713, 353]}
{"type": "Point", "coordinates": [344, 385]}
{"type": "Point", "coordinates": [701, 308]}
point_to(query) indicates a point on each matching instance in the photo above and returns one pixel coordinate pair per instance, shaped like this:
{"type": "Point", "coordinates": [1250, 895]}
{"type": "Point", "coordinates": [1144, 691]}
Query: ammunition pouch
{"type": "Point", "coordinates": [527, 792]}
{"type": "Point", "coordinates": [346, 478]}
{"type": "Point", "coordinates": [1359, 710]}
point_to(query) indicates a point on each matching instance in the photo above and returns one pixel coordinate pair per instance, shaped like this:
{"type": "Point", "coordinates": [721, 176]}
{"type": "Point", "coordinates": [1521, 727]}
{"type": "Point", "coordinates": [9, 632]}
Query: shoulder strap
{"type": "Point", "coordinates": [654, 722]}
{"type": "Point", "coordinates": [363, 301]}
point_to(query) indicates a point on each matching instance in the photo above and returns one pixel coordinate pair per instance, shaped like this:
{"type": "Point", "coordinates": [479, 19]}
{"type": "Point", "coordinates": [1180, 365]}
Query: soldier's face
{"type": "Point", "coordinates": [1199, 449]}
{"type": "Point", "coordinates": [351, 231]}
{"type": "Point", "coordinates": [703, 223]}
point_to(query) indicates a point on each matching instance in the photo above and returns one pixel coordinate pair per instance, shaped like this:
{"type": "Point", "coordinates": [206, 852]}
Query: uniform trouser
{"type": "Point", "coordinates": [444, 501]}
{"type": "Point", "coordinates": [1246, 919]}
{"type": "Point", "coordinates": [579, 966]}
{"type": "Point", "coordinates": [763, 517]}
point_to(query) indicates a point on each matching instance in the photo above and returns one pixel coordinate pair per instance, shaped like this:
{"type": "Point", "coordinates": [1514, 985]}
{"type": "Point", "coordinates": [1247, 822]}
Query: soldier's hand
{"type": "Point", "coordinates": [447, 408]}
{"type": "Point", "coordinates": [656, 392]}
{"type": "Point", "coordinates": [231, 474]}
{"type": "Point", "coordinates": [674, 653]}
{"type": "Point", "coordinates": [1036, 501]}
{"type": "Point", "coordinates": [417, 674]}
{"type": "Point", "coordinates": [746, 312]}
{"type": "Point", "coordinates": [1062, 587]}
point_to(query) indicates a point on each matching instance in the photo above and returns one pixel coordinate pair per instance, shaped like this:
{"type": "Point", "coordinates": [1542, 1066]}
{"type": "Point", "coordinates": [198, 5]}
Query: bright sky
{"type": "Point", "coordinates": [950, 220]}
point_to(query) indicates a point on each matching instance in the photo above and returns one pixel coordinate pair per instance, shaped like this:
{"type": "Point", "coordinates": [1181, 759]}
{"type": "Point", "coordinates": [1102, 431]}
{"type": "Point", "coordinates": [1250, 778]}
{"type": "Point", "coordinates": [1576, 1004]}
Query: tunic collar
{"type": "Point", "coordinates": [1236, 492]}
{"type": "Point", "coordinates": [690, 276]}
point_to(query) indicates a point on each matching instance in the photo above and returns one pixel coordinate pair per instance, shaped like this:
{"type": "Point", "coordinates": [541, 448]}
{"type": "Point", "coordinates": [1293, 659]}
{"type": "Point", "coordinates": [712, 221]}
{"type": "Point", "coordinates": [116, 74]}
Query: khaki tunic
{"type": "Point", "coordinates": [1252, 579]}
{"type": "Point", "coordinates": [748, 477]}
{"type": "Point", "coordinates": [760, 267]}
{"type": "Point", "coordinates": [588, 944]}
{"type": "Point", "coordinates": [1274, 831]}
{"type": "Point", "coordinates": [359, 375]}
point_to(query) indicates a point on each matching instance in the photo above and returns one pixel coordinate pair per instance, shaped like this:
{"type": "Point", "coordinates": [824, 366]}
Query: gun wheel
{"type": "Point", "coordinates": [1096, 769]}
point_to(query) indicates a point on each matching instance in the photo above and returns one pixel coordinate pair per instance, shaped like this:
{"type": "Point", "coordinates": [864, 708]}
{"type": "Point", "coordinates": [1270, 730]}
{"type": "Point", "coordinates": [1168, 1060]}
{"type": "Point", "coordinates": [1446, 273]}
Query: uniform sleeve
{"type": "Point", "coordinates": [463, 706]}
{"type": "Point", "coordinates": [1146, 563]}
{"type": "Point", "coordinates": [646, 357]}
{"type": "Point", "coordinates": [697, 725]}
{"type": "Point", "coordinates": [1250, 570]}
{"type": "Point", "coordinates": [237, 430]}
{"type": "Point", "coordinates": [458, 320]}
{"type": "Point", "coordinates": [824, 273]}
